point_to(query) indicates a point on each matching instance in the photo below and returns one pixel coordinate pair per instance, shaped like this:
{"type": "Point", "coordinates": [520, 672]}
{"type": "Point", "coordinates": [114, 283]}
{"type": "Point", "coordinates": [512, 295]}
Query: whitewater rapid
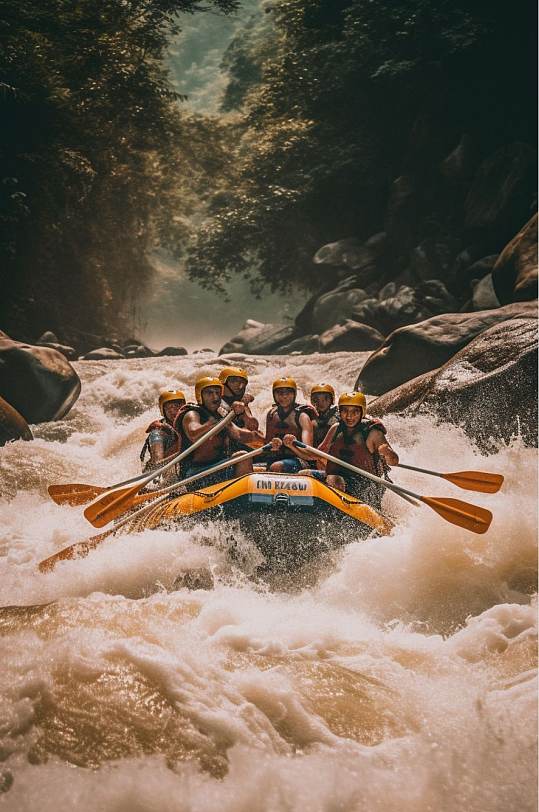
{"type": "Point", "coordinates": [402, 677]}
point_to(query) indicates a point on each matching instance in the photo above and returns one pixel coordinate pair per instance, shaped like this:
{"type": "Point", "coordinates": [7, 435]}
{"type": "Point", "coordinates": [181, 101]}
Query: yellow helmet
{"type": "Point", "coordinates": [168, 395]}
{"type": "Point", "coordinates": [354, 399]}
{"type": "Point", "coordinates": [323, 389]}
{"type": "Point", "coordinates": [284, 383]}
{"type": "Point", "coordinates": [232, 372]}
{"type": "Point", "coordinates": [203, 383]}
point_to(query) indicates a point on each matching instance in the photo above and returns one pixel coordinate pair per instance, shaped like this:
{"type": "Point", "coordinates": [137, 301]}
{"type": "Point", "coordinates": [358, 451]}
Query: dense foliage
{"type": "Point", "coordinates": [353, 94]}
{"type": "Point", "coordinates": [97, 166]}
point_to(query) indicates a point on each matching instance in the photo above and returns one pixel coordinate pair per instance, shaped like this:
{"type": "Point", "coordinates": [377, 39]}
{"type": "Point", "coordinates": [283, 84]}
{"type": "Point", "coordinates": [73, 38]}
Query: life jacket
{"type": "Point", "coordinates": [171, 438]}
{"type": "Point", "coordinates": [352, 447]}
{"type": "Point", "coordinates": [280, 422]}
{"type": "Point", "coordinates": [215, 448]}
{"type": "Point", "coordinates": [323, 423]}
{"type": "Point", "coordinates": [226, 406]}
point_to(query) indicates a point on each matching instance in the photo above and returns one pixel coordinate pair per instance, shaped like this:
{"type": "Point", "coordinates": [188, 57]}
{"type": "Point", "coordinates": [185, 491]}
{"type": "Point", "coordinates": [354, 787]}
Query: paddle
{"type": "Point", "coordinates": [115, 511]}
{"type": "Point", "coordinates": [82, 548]}
{"type": "Point", "coordinates": [470, 517]}
{"type": "Point", "coordinates": [480, 481]}
{"type": "Point", "coordinates": [99, 511]}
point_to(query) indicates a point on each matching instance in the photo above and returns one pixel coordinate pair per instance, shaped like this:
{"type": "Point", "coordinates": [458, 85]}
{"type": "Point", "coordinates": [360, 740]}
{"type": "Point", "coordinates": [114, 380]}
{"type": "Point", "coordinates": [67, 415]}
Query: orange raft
{"type": "Point", "coordinates": [287, 516]}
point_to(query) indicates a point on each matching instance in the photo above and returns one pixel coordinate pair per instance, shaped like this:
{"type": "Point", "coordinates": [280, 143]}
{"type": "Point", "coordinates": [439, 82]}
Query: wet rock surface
{"type": "Point", "coordinates": [489, 387]}
{"type": "Point", "coordinates": [414, 350]}
{"type": "Point", "coordinates": [12, 424]}
{"type": "Point", "coordinates": [514, 275]}
{"type": "Point", "coordinates": [38, 382]}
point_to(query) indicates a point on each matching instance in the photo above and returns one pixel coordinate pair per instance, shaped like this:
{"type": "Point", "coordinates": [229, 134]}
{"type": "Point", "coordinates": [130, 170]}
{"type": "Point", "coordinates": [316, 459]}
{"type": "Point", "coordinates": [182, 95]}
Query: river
{"type": "Point", "coordinates": [403, 677]}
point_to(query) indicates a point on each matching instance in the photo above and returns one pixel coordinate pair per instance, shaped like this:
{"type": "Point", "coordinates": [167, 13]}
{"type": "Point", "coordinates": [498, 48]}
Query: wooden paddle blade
{"type": "Point", "coordinates": [110, 505]}
{"type": "Point", "coordinates": [480, 481]}
{"type": "Point", "coordinates": [470, 517]}
{"type": "Point", "coordinates": [77, 550]}
{"type": "Point", "coordinates": [74, 494]}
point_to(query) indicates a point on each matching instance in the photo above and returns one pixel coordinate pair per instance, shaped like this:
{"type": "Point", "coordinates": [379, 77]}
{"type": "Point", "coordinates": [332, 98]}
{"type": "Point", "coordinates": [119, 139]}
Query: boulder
{"type": "Point", "coordinates": [69, 352]}
{"type": "Point", "coordinates": [415, 349]}
{"type": "Point", "coordinates": [141, 351]}
{"type": "Point", "coordinates": [502, 191]}
{"type": "Point", "coordinates": [515, 273]}
{"type": "Point", "coordinates": [302, 345]}
{"type": "Point", "coordinates": [172, 351]}
{"type": "Point", "coordinates": [335, 306]}
{"type": "Point", "coordinates": [350, 336]}
{"type": "Point", "coordinates": [38, 382]}
{"type": "Point", "coordinates": [48, 337]}
{"type": "Point", "coordinates": [404, 305]}
{"type": "Point", "coordinates": [256, 338]}
{"type": "Point", "coordinates": [466, 274]}
{"type": "Point", "coordinates": [12, 424]}
{"type": "Point", "coordinates": [489, 387]}
{"type": "Point", "coordinates": [102, 354]}
{"type": "Point", "coordinates": [484, 296]}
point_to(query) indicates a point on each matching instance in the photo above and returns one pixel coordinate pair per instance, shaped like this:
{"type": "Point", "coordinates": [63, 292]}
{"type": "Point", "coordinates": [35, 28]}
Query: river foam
{"type": "Point", "coordinates": [403, 678]}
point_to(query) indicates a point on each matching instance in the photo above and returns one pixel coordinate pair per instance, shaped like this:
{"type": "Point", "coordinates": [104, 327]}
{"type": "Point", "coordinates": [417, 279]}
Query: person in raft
{"type": "Point", "coordinates": [195, 420]}
{"type": "Point", "coordinates": [235, 380]}
{"type": "Point", "coordinates": [287, 417]}
{"type": "Point", "coordinates": [162, 440]}
{"type": "Point", "coordinates": [358, 440]}
{"type": "Point", "coordinates": [323, 399]}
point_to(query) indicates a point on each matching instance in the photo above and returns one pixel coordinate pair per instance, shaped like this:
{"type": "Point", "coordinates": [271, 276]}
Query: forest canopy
{"type": "Point", "coordinates": [98, 166]}
{"type": "Point", "coordinates": [346, 96]}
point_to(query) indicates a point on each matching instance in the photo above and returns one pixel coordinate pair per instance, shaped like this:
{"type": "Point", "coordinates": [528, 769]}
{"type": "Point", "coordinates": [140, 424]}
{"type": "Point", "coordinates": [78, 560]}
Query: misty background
{"type": "Point", "coordinates": [177, 309]}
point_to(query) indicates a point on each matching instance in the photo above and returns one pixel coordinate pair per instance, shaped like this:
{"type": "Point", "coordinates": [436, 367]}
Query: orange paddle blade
{"type": "Point", "coordinates": [110, 505]}
{"type": "Point", "coordinates": [480, 481]}
{"type": "Point", "coordinates": [470, 517]}
{"type": "Point", "coordinates": [77, 550]}
{"type": "Point", "coordinates": [74, 494]}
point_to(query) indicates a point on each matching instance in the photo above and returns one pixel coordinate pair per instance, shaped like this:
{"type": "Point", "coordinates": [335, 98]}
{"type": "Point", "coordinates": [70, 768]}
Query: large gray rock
{"type": "Point", "coordinates": [484, 296]}
{"type": "Point", "coordinates": [514, 275]}
{"type": "Point", "coordinates": [103, 354]}
{"type": "Point", "coordinates": [415, 349]}
{"type": "Point", "coordinates": [256, 338]}
{"type": "Point", "coordinates": [37, 381]}
{"type": "Point", "coordinates": [489, 387]}
{"type": "Point", "coordinates": [69, 352]}
{"type": "Point", "coordinates": [302, 345]}
{"type": "Point", "coordinates": [350, 336]}
{"type": "Point", "coordinates": [12, 424]}
{"type": "Point", "coordinates": [335, 306]}
{"type": "Point", "coordinates": [172, 351]}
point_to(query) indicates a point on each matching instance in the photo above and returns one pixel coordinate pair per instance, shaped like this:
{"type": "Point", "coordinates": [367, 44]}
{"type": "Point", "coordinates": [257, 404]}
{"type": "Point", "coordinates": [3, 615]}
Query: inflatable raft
{"type": "Point", "coordinates": [289, 517]}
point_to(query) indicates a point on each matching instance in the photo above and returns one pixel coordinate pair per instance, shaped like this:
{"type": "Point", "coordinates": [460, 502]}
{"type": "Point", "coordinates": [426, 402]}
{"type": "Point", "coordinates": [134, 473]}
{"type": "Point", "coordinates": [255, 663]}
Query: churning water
{"type": "Point", "coordinates": [401, 676]}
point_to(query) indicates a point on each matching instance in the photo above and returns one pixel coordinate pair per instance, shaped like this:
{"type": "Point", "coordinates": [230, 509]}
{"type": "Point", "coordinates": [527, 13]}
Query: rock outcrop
{"type": "Point", "coordinates": [350, 337]}
{"type": "Point", "coordinates": [12, 424]}
{"type": "Point", "coordinates": [419, 348]}
{"type": "Point", "coordinates": [489, 387]}
{"type": "Point", "coordinates": [256, 338]}
{"type": "Point", "coordinates": [38, 382]}
{"type": "Point", "coordinates": [514, 275]}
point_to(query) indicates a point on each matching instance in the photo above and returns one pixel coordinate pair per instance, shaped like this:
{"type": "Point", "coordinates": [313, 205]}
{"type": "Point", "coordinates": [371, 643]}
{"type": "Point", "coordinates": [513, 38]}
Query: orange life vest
{"type": "Point", "coordinates": [280, 422]}
{"type": "Point", "coordinates": [352, 447]}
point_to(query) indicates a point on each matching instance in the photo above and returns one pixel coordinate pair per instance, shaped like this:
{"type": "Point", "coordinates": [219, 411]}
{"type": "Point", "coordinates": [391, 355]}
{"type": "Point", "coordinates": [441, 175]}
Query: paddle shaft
{"type": "Point", "coordinates": [48, 563]}
{"type": "Point", "coordinates": [162, 493]}
{"type": "Point", "coordinates": [183, 454]}
{"type": "Point", "coordinates": [404, 492]}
